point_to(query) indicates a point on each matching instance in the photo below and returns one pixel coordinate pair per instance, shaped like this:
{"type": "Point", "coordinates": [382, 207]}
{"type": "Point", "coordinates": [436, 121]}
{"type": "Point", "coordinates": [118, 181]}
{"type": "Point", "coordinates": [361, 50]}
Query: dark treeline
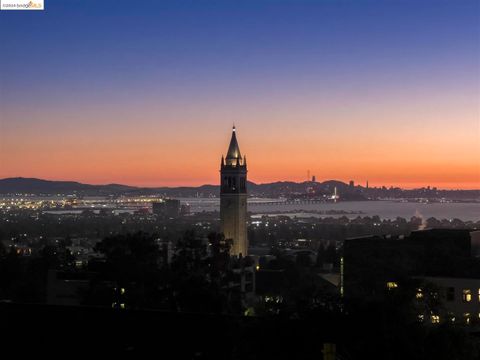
{"type": "Point", "coordinates": [272, 230]}
{"type": "Point", "coordinates": [133, 270]}
{"type": "Point", "coordinates": [15, 224]}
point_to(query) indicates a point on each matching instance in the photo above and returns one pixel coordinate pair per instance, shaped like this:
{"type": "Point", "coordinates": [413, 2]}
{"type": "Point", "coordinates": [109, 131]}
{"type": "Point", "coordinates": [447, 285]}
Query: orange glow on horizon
{"type": "Point", "coordinates": [168, 165]}
{"type": "Point", "coordinates": [151, 171]}
{"type": "Point", "coordinates": [281, 145]}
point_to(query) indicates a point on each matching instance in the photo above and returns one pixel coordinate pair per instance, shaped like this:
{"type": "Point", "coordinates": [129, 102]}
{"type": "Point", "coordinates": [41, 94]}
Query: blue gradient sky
{"type": "Point", "coordinates": [145, 92]}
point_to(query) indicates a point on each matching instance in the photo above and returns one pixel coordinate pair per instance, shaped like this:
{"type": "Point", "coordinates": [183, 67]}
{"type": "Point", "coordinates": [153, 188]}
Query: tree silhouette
{"type": "Point", "coordinates": [132, 263]}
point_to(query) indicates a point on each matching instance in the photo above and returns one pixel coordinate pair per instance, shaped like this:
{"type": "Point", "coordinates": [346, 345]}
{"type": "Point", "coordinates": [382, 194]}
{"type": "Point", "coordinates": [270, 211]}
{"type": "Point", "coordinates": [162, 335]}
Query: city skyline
{"type": "Point", "coordinates": [383, 91]}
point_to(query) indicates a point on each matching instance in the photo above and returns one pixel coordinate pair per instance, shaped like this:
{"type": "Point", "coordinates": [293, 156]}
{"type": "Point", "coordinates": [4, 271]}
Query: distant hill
{"type": "Point", "coordinates": [21, 185]}
{"type": "Point", "coordinates": [35, 186]}
{"type": "Point", "coordinates": [290, 189]}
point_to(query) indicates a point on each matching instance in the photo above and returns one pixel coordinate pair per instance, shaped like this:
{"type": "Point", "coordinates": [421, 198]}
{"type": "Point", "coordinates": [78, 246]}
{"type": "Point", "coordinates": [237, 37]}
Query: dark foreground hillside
{"type": "Point", "coordinates": [85, 331]}
{"type": "Point", "coordinates": [65, 331]}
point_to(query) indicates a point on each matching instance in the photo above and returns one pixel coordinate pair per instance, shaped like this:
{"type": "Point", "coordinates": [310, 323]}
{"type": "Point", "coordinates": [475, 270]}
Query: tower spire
{"type": "Point", "coordinates": [233, 153]}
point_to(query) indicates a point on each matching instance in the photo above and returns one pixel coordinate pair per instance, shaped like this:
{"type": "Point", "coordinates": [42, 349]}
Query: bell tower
{"type": "Point", "coordinates": [233, 198]}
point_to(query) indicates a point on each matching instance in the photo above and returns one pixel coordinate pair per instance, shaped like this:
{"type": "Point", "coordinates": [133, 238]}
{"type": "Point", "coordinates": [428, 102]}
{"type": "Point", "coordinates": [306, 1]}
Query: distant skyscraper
{"type": "Point", "coordinates": [233, 198]}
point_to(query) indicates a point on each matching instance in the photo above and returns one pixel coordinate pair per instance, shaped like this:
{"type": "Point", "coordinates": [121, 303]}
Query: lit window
{"type": "Point", "coordinates": [391, 285]}
{"type": "Point", "coordinates": [435, 319]}
{"type": "Point", "coordinates": [419, 294]}
{"type": "Point", "coordinates": [479, 295]}
{"type": "Point", "coordinates": [467, 295]}
{"type": "Point", "coordinates": [420, 317]}
{"type": "Point", "coordinates": [466, 317]}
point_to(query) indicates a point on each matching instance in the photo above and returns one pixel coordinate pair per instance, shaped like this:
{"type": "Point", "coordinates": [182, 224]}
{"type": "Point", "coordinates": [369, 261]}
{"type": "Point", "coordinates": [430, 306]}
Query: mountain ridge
{"type": "Point", "coordinates": [22, 185]}
{"type": "Point", "coordinates": [36, 186]}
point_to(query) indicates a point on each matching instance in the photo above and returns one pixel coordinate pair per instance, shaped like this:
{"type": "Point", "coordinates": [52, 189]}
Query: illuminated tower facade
{"type": "Point", "coordinates": [233, 198]}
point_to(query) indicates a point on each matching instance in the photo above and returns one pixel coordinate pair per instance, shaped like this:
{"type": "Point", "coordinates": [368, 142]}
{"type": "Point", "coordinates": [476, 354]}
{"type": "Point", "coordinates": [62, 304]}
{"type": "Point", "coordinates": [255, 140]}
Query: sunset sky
{"type": "Point", "coordinates": [145, 92]}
